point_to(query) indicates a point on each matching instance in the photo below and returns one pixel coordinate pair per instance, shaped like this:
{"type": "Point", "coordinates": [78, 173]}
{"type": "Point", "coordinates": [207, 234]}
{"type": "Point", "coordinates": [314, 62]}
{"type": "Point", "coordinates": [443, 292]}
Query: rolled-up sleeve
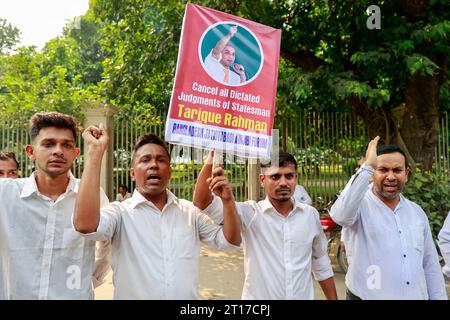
{"type": "Point", "coordinates": [321, 263]}
{"type": "Point", "coordinates": [345, 210]}
{"type": "Point", "coordinates": [108, 226]}
{"type": "Point", "coordinates": [212, 234]}
{"type": "Point", "coordinates": [215, 210]}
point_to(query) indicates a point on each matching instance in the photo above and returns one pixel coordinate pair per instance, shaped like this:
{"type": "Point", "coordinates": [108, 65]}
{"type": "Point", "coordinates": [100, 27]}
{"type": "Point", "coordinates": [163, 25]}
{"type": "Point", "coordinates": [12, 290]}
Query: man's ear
{"type": "Point", "coordinates": [30, 152]}
{"type": "Point", "coordinates": [77, 152]}
{"type": "Point", "coordinates": [261, 180]}
{"type": "Point", "coordinates": [133, 177]}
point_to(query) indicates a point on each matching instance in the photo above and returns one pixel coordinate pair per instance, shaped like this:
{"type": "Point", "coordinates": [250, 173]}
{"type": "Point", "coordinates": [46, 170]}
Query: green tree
{"type": "Point", "coordinates": [9, 35]}
{"type": "Point", "coordinates": [62, 77]}
{"type": "Point", "coordinates": [84, 30]}
{"type": "Point", "coordinates": [394, 78]}
{"type": "Point", "coordinates": [140, 39]}
{"type": "Point", "coordinates": [29, 84]}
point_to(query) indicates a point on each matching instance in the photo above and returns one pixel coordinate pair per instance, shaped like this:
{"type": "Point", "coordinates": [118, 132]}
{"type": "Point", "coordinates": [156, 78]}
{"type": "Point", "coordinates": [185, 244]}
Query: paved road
{"type": "Point", "coordinates": [222, 276]}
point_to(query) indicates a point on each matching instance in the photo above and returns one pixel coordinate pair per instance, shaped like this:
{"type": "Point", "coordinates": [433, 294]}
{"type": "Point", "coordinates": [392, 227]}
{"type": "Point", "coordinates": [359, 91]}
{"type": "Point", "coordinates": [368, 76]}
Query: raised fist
{"type": "Point", "coordinates": [233, 30]}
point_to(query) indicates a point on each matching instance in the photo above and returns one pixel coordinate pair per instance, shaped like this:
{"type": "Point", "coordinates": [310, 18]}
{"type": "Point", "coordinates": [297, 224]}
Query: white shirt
{"type": "Point", "coordinates": [217, 70]}
{"type": "Point", "coordinates": [119, 196]}
{"type": "Point", "coordinates": [279, 252]}
{"type": "Point", "coordinates": [301, 195]}
{"type": "Point", "coordinates": [155, 254]}
{"type": "Point", "coordinates": [444, 245]}
{"type": "Point", "coordinates": [41, 257]}
{"type": "Point", "coordinates": [392, 251]}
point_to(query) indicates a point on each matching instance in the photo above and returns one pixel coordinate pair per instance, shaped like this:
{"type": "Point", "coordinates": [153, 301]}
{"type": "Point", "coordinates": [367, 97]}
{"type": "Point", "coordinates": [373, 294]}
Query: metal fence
{"type": "Point", "coordinates": [442, 151]}
{"type": "Point", "coordinates": [186, 161]}
{"type": "Point", "coordinates": [327, 146]}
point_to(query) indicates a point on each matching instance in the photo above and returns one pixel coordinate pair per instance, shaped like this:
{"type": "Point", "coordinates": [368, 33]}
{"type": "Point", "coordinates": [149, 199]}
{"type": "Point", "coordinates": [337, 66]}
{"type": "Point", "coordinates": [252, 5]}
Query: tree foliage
{"type": "Point", "coordinates": [124, 52]}
{"type": "Point", "coordinates": [9, 35]}
{"type": "Point", "coordinates": [391, 77]}
{"type": "Point", "coordinates": [141, 40]}
{"type": "Point", "coordinates": [62, 77]}
{"type": "Point", "coordinates": [427, 190]}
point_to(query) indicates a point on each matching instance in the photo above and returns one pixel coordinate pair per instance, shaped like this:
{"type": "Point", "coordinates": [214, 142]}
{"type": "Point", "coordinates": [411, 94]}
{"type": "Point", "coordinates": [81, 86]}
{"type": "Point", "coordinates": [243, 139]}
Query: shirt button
{"type": "Point", "coordinates": [399, 231]}
{"type": "Point", "coordinates": [407, 282]}
{"type": "Point", "coordinates": [404, 256]}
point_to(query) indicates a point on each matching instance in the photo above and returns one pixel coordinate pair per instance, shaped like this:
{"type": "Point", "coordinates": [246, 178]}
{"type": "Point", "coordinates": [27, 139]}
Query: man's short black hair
{"type": "Point", "coordinates": [284, 159]}
{"type": "Point", "coordinates": [391, 148]}
{"type": "Point", "coordinates": [149, 139]}
{"type": "Point", "coordinates": [43, 120]}
{"type": "Point", "coordinates": [123, 186]}
{"type": "Point", "coordinates": [7, 155]}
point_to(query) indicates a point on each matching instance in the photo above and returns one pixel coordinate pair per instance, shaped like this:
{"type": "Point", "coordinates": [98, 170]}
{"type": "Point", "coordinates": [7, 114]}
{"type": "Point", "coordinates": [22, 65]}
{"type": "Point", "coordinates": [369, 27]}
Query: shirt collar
{"type": "Point", "coordinates": [30, 187]}
{"type": "Point", "coordinates": [380, 203]}
{"type": "Point", "coordinates": [267, 205]}
{"type": "Point", "coordinates": [137, 198]}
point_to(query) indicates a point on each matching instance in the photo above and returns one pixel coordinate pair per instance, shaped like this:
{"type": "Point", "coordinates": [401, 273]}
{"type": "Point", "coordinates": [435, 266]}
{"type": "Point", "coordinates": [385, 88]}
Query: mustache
{"type": "Point", "coordinates": [281, 189]}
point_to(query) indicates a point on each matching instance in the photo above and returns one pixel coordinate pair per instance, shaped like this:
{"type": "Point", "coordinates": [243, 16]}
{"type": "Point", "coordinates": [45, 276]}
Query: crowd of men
{"type": "Point", "coordinates": [60, 235]}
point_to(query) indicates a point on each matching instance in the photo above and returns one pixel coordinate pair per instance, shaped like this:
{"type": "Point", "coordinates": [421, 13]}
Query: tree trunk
{"type": "Point", "coordinates": [417, 130]}
{"type": "Point", "coordinates": [420, 128]}
{"type": "Point", "coordinates": [381, 122]}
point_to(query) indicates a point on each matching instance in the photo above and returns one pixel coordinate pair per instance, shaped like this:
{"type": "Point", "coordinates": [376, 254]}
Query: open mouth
{"type": "Point", "coordinates": [390, 187]}
{"type": "Point", "coordinates": [153, 178]}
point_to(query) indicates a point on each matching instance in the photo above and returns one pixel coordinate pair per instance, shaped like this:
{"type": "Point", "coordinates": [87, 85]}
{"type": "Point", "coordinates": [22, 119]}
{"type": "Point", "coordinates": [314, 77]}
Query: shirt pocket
{"type": "Point", "coordinates": [72, 244]}
{"type": "Point", "coordinates": [417, 237]}
{"type": "Point", "coordinates": [185, 242]}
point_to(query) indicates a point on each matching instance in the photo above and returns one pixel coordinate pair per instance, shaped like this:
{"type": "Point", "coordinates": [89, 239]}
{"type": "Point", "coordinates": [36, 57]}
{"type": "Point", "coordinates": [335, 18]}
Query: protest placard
{"type": "Point", "coordinates": [225, 84]}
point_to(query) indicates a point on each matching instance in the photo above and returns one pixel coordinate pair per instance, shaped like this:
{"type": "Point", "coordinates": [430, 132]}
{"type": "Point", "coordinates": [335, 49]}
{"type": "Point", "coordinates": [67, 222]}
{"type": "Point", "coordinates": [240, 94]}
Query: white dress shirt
{"type": "Point", "coordinates": [155, 254]}
{"type": "Point", "coordinates": [392, 251]}
{"type": "Point", "coordinates": [279, 252]}
{"type": "Point", "coordinates": [444, 245]}
{"type": "Point", "coordinates": [217, 70]}
{"type": "Point", "coordinates": [41, 256]}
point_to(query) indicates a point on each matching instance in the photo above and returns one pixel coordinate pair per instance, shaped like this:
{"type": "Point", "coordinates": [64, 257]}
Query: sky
{"type": "Point", "coordinates": [41, 20]}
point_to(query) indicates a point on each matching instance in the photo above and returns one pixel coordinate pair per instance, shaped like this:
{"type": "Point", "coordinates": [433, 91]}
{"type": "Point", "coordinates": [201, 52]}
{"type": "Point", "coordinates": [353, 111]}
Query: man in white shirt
{"type": "Point", "coordinates": [155, 236]}
{"type": "Point", "coordinates": [123, 193]}
{"type": "Point", "coordinates": [8, 165]}
{"type": "Point", "coordinates": [41, 257]}
{"type": "Point", "coordinates": [283, 238]}
{"type": "Point", "coordinates": [393, 255]}
{"type": "Point", "coordinates": [444, 245]}
{"type": "Point", "coordinates": [221, 58]}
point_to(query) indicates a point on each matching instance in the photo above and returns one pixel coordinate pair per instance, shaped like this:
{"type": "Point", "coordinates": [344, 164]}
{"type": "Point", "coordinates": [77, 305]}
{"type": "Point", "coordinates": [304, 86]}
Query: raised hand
{"type": "Point", "coordinates": [96, 137]}
{"type": "Point", "coordinates": [233, 30]}
{"type": "Point", "coordinates": [371, 153]}
{"type": "Point", "coordinates": [219, 185]}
